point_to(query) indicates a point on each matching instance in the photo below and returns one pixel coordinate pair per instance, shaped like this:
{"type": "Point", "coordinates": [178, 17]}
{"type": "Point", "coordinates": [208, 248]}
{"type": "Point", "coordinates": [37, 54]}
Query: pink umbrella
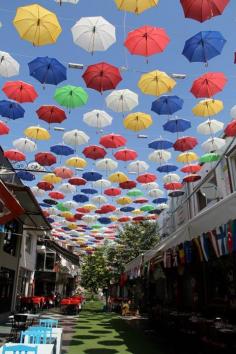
{"type": "Point", "coordinates": [63, 172]}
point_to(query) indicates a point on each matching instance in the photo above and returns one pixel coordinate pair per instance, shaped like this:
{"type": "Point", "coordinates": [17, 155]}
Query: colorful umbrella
{"type": "Point", "coordinates": [4, 129]}
{"type": "Point", "coordinates": [97, 119]}
{"type": "Point", "coordinates": [213, 144]}
{"type": "Point", "coordinates": [191, 178]}
{"type": "Point", "coordinates": [51, 178]}
{"type": "Point", "coordinates": [67, 188]}
{"type": "Point", "coordinates": [167, 105]}
{"type": "Point", "coordinates": [92, 176]}
{"type": "Point", "coordinates": [124, 219]}
{"type": "Point", "coordinates": [135, 193]}
{"type": "Point", "coordinates": [37, 25]}
{"type": "Point", "coordinates": [77, 181]}
{"type": "Point", "coordinates": [118, 177]}
{"type": "Point", "coordinates": [135, 6]}
{"type": "Point", "coordinates": [37, 133]}
{"type": "Point", "coordinates": [93, 34]}
{"type": "Point", "coordinates": [128, 184]}
{"type": "Point", "coordinates": [11, 110]}
{"type": "Point", "coordinates": [71, 96]}
{"type": "Point", "coordinates": [102, 183]}
{"type": "Point", "coordinates": [75, 137]}
{"type": "Point", "coordinates": [68, 1]}
{"type": "Point", "coordinates": [176, 193]}
{"type": "Point", "coordinates": [208, 84]}
{"type": "Point", "coordinates": [191, 168]}
{"type": "Point", "coordinates": [171, 177]}
{"type": "Point", "coordinates": [112, 192]}
{"type": "Point", "coordinates": [230, 129]}
{"type": "Point", "coordinates": [37, 192]}
{"type": "Point", "coordinates": [127, 209]}
{"type": "Point", "coordinates": [209, 157]}
{"type": "Point", "coordinates": [104, 220]}
{"type": "Point", "coordinates": [76, 162]}
{"type": "Point", "coordinates": [14, 155]}
{"type": "Point", "coordinates": [47, 70]}
{"type": "Point", "coordinates": [51, 114]}
{"type": "Point", "coordinates": [122, 100]}
{"type": "Point", "coordinates": [140, 201]}
{"type": "Point", "coordinates": [63, 172]}
{"type": "Point", "coordinates": [25, 176]}
{"type": "Point", "coordinates": [167, 168]}
{"type": "Point", "coordinates": [173, 186]}
{"type": "Point", "coordinates": [146, 178]}
{"type": "Point", "coordinates": [185, 143]}
{"type": "Point", "coordinates": [112, 141]}
{"type": "Point", "coordinates": [208, 107]}
{"type": "Point", "coordinates": [147, 207]}
{"type": "Point", "coordinates": [94, 152]}
{"type": "Point", "coordinates": [80, 198]}
{"type": "Point", "coordinates": [124, 201]}
{"type": "Point", "coordinates": [160, 144]}
{"type": "Point", "coordinates": [177, 125]}
{"type": "Point", "coordinates": [62, 150]}
{"type": "Point", "coordinates": [56, 195]}
{"type": "Point", "coordinates": [46, 186]}
{"type": "Point", "coordinates": [187, 157]}
{"type": "Point", "coordinates": [147, 41]}
{"type": "Point", "coordinates": [202, 10]}
{"type": "Point", "coordinates": [204, 46]}
{"type": "Point", "coordinates": [137, 121]}
{"type": "Point", "coordinates": [19, 91]}
{"type": "Point", "coordinates": [138, 167]}
{"type": "Point", "coordinates": [159, 156]}
{"type": "Point", "coordinates": [45, 158]}
{"type": "Point", "coordinates": [102, 76]}
{"type": "Point", "coordinates": [210, 126]}
{"type": "Point", "coordinates": [8, 65]}
{"type": "Point", "coordinates": [156, 83]}
{"type": "Point", "coordinates": [24, 145]}
{"type": "Point", "coordinates": [126, 155]}
{"type": "Point", "coordinates": [99, 199]}
{"type": "Point", "coordinates": [108, 208]}
{"type": "Point", "coordinates": [106, 164]}
{"type": "Point", "coordinates": [156, 193]}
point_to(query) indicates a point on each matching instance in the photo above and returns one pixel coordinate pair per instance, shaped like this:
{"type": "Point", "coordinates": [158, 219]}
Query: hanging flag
{"type": "Point", "coordinates": [205, 246]}
{"type": "Point", "coordinates": [175, 257]}
{"type": "Point", "coordinates": [229, 238]}
{"type": "Point", "coordinates": [212, 235]}
{"type": "Point", "coordinates": [197, 243]}
{"type": "Point", "coordinates": [167, 259]}
{"type": "Point", "coordinates": [233, 229]}
{"type": "Point", "coordinates": [181, 255]}
{"type": "Point", "coordinates": [188, 251]}
{"type": "Point", "coordinates": [222, 240]}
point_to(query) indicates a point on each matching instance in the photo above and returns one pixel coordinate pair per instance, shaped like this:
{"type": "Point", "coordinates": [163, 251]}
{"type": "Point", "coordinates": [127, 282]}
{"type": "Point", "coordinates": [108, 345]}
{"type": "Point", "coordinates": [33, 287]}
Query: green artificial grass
{"type": "Point", "coordinates": [98, 332]}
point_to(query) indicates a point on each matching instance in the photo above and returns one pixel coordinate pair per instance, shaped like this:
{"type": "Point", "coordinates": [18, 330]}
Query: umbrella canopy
{"type": "Point", "coordinates": [46, 186]}
{"type": "Point", "coordinates": [93, 34]}
{"type": "Point", "coordinates": [135, 193]}
{"type": "Point", "coordinates": [20, 91]}
{"type": "Point", "coordinates": [124, 201]}
{"type": "Point", "coordinates": [25, 176]}
{"type": "Point", "coordinates": [126, 155]}
{"type": "Point", "coordinates": [97, 119]}
{"type": "Point", "coordinates": [146, 178]}
{"type": "Point", "coordinates": [210, 126]}
{"type": "Point", "coordinates": [127, 209]}
{"type": "Point", "coordinates": [99, 199]}
{"type": "Point", "coordinates": [35, 166]}
{"type": "Point", "coordinates": [167, 105]}
{"type": "Point", "coordinates": [202, 10]}
{"type": "Point", "coordinates": [51, 114]}
{"type": "Point", "coordinates": [118, 177]}
{"type": "Point", "coordinates": [80, 198]}
{"type": "Point", "coordinates": [167, 168]}
{"type": "Point", "coordinates": [37, 133]}
{"type": "Point", "coordinates": [160, 144]}
{"type": "Point", "coordinates": [38, 192]}
{"type": "Point", "coordinates": [191, 168]}
{"type": "Point", "coordinates": [102, 183]}
{"type": "Point", "coordinates": [106, 164]}
{"type": "Point", "coordinates": [94, 152]}
{"type": "Point", "coordinates": [135, 6]}
{"type": "Point", "coordinates": [62, 150]}
{"type": "Point", "coordinates": [159, 156]}
{"type": "Point", "coordinates": [209, 157]}
{"type": "Point", "coordinates": [11, 110]}
{"type": "Point", "coordinates": [147, 41]}
{"type": "Point", "coordinates": [92, 176]}
{"type": "Point", "coordinates": [37, 25]}
{"type": "Point", "coordinates": [185, 143]}
{"type": "Point", "coordinates": [76, 162]}
{"type": "Point", "coordinates": [45, 158]}
{"type": "Point", "coordinates": [47, 70]}
{"type": "Point", "coordinates": [122, 100]}
{"type": "Point", "coordinates": [102, 76]}
{"type": "Point", "coordinates": [138, 167]}
{"type": "Point", "coordinates": [177, 125]}
{"type": "Point", "coordinates": [70, 204]}
{"type": "Point", "coordinates": [75, 137]}
{"type": "Point", "coordinates": [77, 181]}
{"type": "Point", "coordinates": [156, 83]}
{"type": "Point", "coordinates": [89, 190]}
{"type": "Point", "coordinates": [8, 65]}
{"type": "Point", "coordinates": [112, 192]}
{"type": "Point", "coordinates": [128, 184]}
{"type": "Point", "coordinates": [24, 145]}
{"type": "Point", "coordinates": [171, 177]}
{"type": "Point", "coordinates": [56, 195]}
{"type": "Point", "coordinates": [187, 157]}
{"type": "Point", "coordinates": [51, 178]}
{"type": "Point", "coordinates": [137, 121]}
{"type": "Point", "coordinates": [204, 46]}
{"type": "Point", "coordinates": [4, 129]}
{"type": "Point", "coordinates": [71, 96]}
{"type": "Point", "coordinates": [147, 207]}
{"type": "Point", "coordinates": [208, 107]}
{"type": "Point", "coordinates": [14, 155]}
{"type": "Point", "coordinates": [67, 188]}
{"type": "Point", "coordinates": [173, 185]}
{"type": "Point", "coordinates": [112, 141]}
{"type": "Point", "coordinates": [213, 144]}
{"type": "Point", "coordinates": [208, 84]}
{"type": "Point", "coordinates": [67, 1]}
{"type": "Point", "coordinates": [191, 178]}
{"type": "Point", "coordinates": [230, 129]}
{"type": "Point", "coordinates": [63, 172]}
{"type": "Point", "coordinates": [155, 193]}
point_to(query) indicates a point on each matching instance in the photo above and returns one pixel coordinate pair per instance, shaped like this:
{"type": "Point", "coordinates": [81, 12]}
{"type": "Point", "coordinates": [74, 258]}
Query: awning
{"type": "Point", "coordinates": [33, 215]}
{"type": "Point", "coordinates": [69, 256]}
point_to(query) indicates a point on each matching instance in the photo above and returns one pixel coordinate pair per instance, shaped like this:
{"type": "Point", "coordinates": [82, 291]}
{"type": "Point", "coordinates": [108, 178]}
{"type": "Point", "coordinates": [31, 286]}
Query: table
{"type": "Point", "coordinates": [42, 348]}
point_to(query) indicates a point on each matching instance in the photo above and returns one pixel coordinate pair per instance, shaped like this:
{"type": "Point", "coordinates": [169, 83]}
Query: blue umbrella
{"type": "Point", "coordinates": [155, 211]}
{"type": "Point", "coordinates": [45, 205]}
{"type": "Point", "coordinates": [104, 220]}
{"type": "Point", "coordinates": [127, 209]}
{"type": "Point", "coordinates": [160, 144]}
{"type": "Point", "coordinates": [65, 228]}
{"type": "Point", "coordinates": [62, 150]}
{"type": "Point", "coordinates": [50, 220]}
{"type": "Point", "coordinates": [92, 176]}
{"type": "Point", "coordinates": [11, 110]}
{"type": "Point", "coordinates": [167, 105]}
{"type": "Point", "coordinates": [177, 125]}
{"type": "Point", "coordinates": [47, 70]}
{"type": "Point", "coordinates": [89, 191]}
{"type": "Point", "coordinates": [176, 193]}
{"type": "Point", "coordinates": [25, 176]}
{"type": "Point", "coordinates": [50, 201]}
{"type": "Point", "coordinates": [167, 168]}
{"type": "Point", "coordinates": [204, 46]}
{"type": "Point", "coordinates": [80, 198]}
{"type": "Point", "coordinates": [160, 200]}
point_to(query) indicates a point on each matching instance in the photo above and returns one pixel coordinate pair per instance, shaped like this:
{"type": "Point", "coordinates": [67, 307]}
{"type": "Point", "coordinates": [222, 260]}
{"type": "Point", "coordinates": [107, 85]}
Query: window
{"type": "Point", "coordinates": [6, 289]}
{"type": "Point", "coordinates": [11, 237]}
{"type": "Point", "coordinates": [50, 261]}
{"type": "Point", "coordinates": [28, 243]}
{"type": "Point", "coordinates": [208, 192]}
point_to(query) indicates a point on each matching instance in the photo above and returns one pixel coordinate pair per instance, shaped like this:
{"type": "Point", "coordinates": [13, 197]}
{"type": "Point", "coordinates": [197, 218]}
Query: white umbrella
{"type": "Point", "coordinates": [99, 199]}
{"type": "Point", "coordinates": [69, 1]}
{"type": "Point", "coordinates": [102, 183]}
{"type": "Point", "coordinates": [210, 126]}
{"type": "Point", "coordinates": [171, 177]}
{"type": "Point", "coordinates": [162, 206]}
{"type": "Point", "coordinates": [37, 191]}
{"type": "Point", "coordinates": [67, 188]}
{"type": "Point", "coordinates": [160, 156]}
{"type": "Point", "coordinates": [149, 186]}
{"type": "Point", "coordinates": [138, 166]}
{"type": "Point", "coordinates": [93, 34]}
{"type": "Point", "coordinates": [89, 219]}
{"type": "Point", "coordinates": [122, 100]}
{"type": "Point", "coordinates": [106, 164]}
{"type": "Point", "coordinates": [52, 211]}
{"type": "Point", "coordinates": [155, 193]}
{"type": "Point", "coordinates": [8, 65]}
{"type": "Point", "coordinates": [213, 144]}
{"type": "Point", "coordinates": [70, 204]}
{"type": "Point", "coordinates": [233, 112]}
{"type": "Point", "coordinates": [24, 144]}
{"type": "Point", "coordinates": [97, 119]}
{"type": "Point", "coordinates": [35, 166]}
{"type": "Point", "coordinates": [75, 137]}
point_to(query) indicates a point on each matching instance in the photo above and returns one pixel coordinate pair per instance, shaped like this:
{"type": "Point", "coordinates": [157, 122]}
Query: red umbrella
{"type": "Point", "coordinates": [56, 195]}
{"type": "Point", "coordinates": [146, 41]}
{"type": "Point", "coordinates": [173, 185]}
{"type": "Point", "coordinates": [78, 216]}
{"type": "Point", "coordinates": [112, 192]}
{"type": "Point", "coordinates": [63, 172]}
{"type": "Point", "coordinates": [46, 213]}
{"type": "Point", "coordinates": [138, 218]}
{"type": "Point", "coordinates": [140, 200]}
{"type": "Point", "coordinates": [4, 129]}
{"type": "Point", "coordinates": [191, 178]}
{"type": "Point", "coordinates": [128, 184]}
{"type": "Point", "coordinates": [230, 129]}
{"type": "Point", "coordinates": [51, 114]}
{"type": "Point", "coordinates": [124, 219]}
{"type": "Point", "coordinates": [146, 178]}
{"type": "Point", "coordinates": [20, 91]}
{"type": "Point", "coordinates": [208, 84]}
{"type": "Point", "coordinates": [46, 186]}
{"type": "Point", "coordinates": [71, 219]}
{"type": "Point", "coordinates": [77, 181]}
{"type": "Point", "coordinates": [108, 208]}
{"type": "Point", "coordinates": [45, 158]}
{"type": "Point", "coordinates": [83, 210]}
{"type": "Point", "coordinates": [202, 10]}
{"type": "Point", "coordinates": [112, 141]}
{"type": "Point", "coordinates": [126, 155]}
{"type": "Point", "coordinates": [186, 143]}
{"type": "Point", "coordinates": [192, 168]}
{"type": "Point", "coordinates": [102, 76]}
{"type": "Point", "coordinates": [94, 152]}
{"type": "Point", "coordinates": [100, 211]}
{"type": "Point", "coordinates": [14, 155]}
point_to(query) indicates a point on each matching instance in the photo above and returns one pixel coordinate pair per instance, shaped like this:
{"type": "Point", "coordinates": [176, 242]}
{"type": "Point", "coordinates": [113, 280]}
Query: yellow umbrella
{"type": "Point", "coordinates": [51, 178]}
{"type": "Point", "coordinates": [208, 107]}
{"type": "Point", "coordinates": [187, 157]}
{"type": "Point", "coordinates": [76, 162]}
{"type": "Point", "coordinates": [90, 207]}
{"type": "Point", "coordinates": [72, 226]}
{"type": "Point", "coordinates": [156, 83]}
{"type": "Point", "coordinates": [135, 6]}
{"type": "Point", "coordinates": [124, 200]}
{"type": "Point", "coordinates": [66, 214]}
{"type": "Point", "coordinates": [136, 211]}
{"type": "Point", "coordinates": [37, 25]}
{"type": "Point", "coordinates": [113, 218]}
{"type": "Point", "coordinates": [37, 133]}
{"type": "Point", "coordinates": [80, 241]}
{"type": "Point", "coordinates": [137, 121]}
{"type": "Point", "coordinates": [118, 177]}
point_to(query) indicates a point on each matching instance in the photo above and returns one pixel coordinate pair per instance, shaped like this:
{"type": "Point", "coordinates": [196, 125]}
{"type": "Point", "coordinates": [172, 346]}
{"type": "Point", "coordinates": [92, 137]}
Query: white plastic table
{"type": "Point", "coordinates": [42, 348]}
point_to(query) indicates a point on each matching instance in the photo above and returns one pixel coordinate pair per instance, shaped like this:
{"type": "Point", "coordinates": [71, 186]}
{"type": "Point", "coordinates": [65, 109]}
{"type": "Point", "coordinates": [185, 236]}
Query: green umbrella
{"type": "Point", "coordinates": [96, 226]}
{"type": "Point", "coordinates": [147, 207]}
{"type": "Point", "coordinates": [135, 193]}
{"type": "Point", "coordinates": [61, 207]}
{"type": "Point", "coordinates": [209, 157]}
{"type": "Point", "coordinates": [71, 96]}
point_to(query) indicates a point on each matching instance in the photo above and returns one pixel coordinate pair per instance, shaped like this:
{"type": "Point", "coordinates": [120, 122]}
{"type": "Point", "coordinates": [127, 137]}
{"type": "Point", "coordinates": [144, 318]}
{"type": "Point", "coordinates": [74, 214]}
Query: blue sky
{"type": "Point", "coordinates": [168, 15]}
